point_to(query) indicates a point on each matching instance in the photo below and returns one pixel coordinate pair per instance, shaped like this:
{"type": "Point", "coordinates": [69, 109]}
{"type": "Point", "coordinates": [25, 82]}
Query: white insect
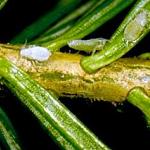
{"type": "Point", "coordinates": [135, 28]}
{"type": "Point", "coordinates": [36, 53]}
{"type": "Point", "coordinates": [142, 18]}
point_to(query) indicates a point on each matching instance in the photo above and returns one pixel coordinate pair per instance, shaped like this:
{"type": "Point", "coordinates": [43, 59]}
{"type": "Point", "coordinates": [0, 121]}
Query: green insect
{"type": "Point", "coordinates": [88, 45]}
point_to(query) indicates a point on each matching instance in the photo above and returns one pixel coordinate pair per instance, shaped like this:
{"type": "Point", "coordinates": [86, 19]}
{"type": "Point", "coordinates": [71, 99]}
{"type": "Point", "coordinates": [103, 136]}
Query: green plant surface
{"type": "Point", "coordinates": [145, 56]}
{"type": "Point", "coordinates": [106, 10]}
{"type": "Point", "coordinates": [135, 26]}
{"type": "Point", "coordinates": [139, 98]}
{"type": "Point", "coordinates": [61, 124]}
{"type": "Point", "coordinates": [63, 7]}
{"type": "Point", "coordinates": [103, 75]}
{"type": "Point", "coordinates": [2, 3]}
{"type": "Point", "coordinates": [65, 24]}
{"type": "Point", "coordinates": [8, 135]}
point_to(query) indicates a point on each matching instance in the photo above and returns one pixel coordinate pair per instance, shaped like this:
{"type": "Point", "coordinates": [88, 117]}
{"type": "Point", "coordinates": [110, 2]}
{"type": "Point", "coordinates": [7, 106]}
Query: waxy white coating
{"type": "Point", "coordinates": [35, 53]}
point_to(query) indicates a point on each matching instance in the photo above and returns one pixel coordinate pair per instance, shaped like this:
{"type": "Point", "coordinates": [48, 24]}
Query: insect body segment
{"type": "Point", "coordinates": [87, 45]}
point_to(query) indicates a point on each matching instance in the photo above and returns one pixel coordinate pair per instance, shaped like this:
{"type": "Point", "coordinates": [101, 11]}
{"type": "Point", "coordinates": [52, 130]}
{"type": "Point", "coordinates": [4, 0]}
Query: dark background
{"type": "Point", "coordinates": [121, 127]}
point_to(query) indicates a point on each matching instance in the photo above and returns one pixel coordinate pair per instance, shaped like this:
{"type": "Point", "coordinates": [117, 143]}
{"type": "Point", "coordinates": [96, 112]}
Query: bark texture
{"type": "Point", "coordinates": [62, 73]}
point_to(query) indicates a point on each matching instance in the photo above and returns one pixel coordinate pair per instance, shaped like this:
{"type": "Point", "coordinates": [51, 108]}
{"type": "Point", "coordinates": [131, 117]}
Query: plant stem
{"type": "Point", "coordinates": [7, 133]}
{"type": "Point", "coordinates": [63, 74]}
{"type": "Point", "coordinates": [63, 126]}
{"type": "Point", "coordinates": [138, 97]}
{"type": "Point", "coordinates": [63, 7]}
{"type": "Point", "coordinates": [135, 26]}
{"type": "Point", "coordinates": [106, 10]}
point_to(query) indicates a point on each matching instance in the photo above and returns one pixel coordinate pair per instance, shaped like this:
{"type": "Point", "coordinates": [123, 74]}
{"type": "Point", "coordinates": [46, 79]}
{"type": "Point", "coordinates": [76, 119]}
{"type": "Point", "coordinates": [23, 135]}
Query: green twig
{"type": "Point", "coordinates": [135, 26]}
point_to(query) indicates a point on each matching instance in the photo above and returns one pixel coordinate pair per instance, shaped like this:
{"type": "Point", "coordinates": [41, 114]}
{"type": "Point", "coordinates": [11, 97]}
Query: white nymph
{"type": "Point", "coordinates": [35, 53]}
{"type": "Point", "coordinates": [135, 28]}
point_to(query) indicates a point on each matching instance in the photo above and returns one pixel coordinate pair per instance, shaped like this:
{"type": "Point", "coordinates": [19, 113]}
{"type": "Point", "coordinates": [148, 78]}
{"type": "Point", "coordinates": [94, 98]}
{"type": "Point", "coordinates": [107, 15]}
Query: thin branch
{"type": "Point", "coordinates": [62, 73]}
